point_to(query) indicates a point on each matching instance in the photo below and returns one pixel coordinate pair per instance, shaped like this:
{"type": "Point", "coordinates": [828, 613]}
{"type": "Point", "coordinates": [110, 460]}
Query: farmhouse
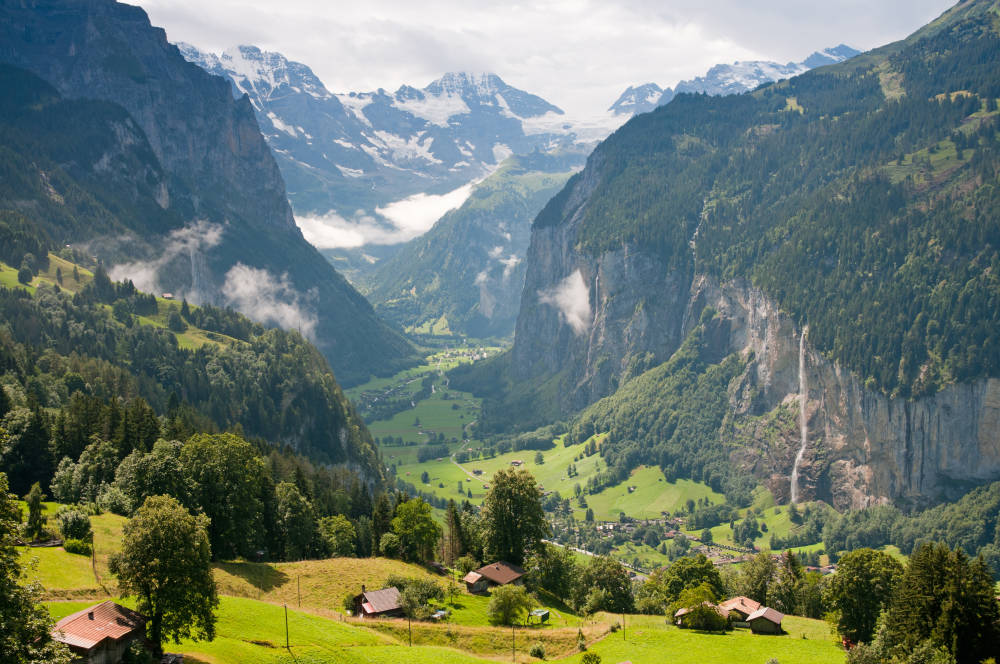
{"type": "Point", "coordinates": [100, 634]}
{"type": "Point", "coordinates": [681, 614]}
{"type": "Point", "coordinates": [740, 608]}
{"type": "Point", "coordinates": [765, 621]}
{"type": "Point", "coordinates": [378, 603]}
{"type": "Point", "coordinates": [494, 574]}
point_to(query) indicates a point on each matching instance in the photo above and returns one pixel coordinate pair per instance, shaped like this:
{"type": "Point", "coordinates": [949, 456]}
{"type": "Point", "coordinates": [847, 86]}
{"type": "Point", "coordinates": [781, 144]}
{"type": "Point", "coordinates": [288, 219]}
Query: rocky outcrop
{"type": "Point", "coordinates": [863, 447]}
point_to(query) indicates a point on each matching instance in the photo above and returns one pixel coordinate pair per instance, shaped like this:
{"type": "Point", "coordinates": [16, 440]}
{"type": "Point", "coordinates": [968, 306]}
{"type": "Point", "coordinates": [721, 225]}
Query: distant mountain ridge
{"type": "Point", "coordinates": [726, 79]}
{"type": "Point", "coordinates": [361, 150]}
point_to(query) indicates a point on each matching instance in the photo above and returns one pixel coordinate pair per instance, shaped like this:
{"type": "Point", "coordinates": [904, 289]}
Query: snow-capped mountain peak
{"type": "Point", "coordinates": [735, 78]}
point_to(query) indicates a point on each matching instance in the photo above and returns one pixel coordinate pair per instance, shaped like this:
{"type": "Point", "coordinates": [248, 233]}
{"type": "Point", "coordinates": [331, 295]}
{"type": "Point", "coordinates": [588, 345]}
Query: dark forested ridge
{"type": "Point", "coordinates": [126, 143]}
{"type": "Point", "coordinates": [862, 197]}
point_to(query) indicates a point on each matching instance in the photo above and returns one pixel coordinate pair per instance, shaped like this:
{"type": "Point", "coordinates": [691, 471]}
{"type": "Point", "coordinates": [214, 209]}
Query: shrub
{"type": "Point", "coordinates": [590, 658]}
{"type": "Point", "coordinates": [73, 524]}
{"type": "Point", "coordinates": [77, 546]}
{"type": "Point", "coordinates": [112, 499]}
{"type": "Point", "coordinates": [348, 602]}
{"type": "Point", "coordinates": [466, 564]}
{"type": "Point", "coordinates": [537, 650]}
{"type": "Point", "coordinates": [390, 546]}
{"type": "Point", "coordinates": [136, 653]}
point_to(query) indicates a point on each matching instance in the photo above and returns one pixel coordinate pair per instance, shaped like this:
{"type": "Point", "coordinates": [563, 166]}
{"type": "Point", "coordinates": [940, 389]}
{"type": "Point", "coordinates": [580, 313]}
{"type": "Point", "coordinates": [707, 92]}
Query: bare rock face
{"type": "Point", "coordinates": [862, 448]}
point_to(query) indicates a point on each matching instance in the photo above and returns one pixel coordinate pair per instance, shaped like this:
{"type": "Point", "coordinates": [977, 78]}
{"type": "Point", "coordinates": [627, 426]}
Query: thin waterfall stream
{"type": "Point", "coordinates": [803, 423]}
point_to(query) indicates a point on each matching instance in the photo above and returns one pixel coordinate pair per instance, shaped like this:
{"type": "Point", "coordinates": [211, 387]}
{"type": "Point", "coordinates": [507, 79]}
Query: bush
{"type": "Point", "coordinates": [590, 658]}
{"type": "Point", "coordinates": [78, 547]}
{"type": "Point", "coordinates": [507, 603]}
{"type": "Point", "coordinates": [73, 524]}
{"type": "Point", "coordinates": [112, 499]}
{"type": "Point", "coordinates": [537, 650]}
{"type": "Point", "coordinates": [390, 546]}
{"type": "Point", "coordinates": [466, 564]}
{"type": "Point", "coordinates": [136, 653]}
{"type": "Point", "coordinates": [348, 602]}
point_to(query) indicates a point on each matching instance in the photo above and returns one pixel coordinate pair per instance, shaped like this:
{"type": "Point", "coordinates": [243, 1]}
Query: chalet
{"type": "Point", "coordinates": [494, 574]}
{"type": "Point", "coordinates": [765, 621]}
{"type": "Point", "coordinates": [100, 634]}
{"type": "Point", "coordinates": [680, 614]}
{"type": "Point", "coordinates": [378, 603]}
{"type": "Point", "coordinates": [740, 608]}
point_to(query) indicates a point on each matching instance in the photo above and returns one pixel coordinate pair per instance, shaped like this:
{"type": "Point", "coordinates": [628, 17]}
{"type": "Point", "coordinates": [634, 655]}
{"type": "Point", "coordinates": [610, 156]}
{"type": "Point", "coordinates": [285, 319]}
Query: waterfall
{"type": "Point", "coordinates": [803, 423]}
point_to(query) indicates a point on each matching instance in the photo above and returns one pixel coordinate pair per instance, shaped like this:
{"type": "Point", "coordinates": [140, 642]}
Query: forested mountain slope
{"type": "Point", "coordinates": [469, 268]}
{"type": "Point", "coordinates": [858, 202]}
{"type": "Point", "coordinates": [98, 359]}
{"type": "Point", "coordinates": [192, 200]}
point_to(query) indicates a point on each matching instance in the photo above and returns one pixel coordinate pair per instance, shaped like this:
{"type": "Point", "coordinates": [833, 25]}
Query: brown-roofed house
{"type": "Point", "coordinates": [378, 603]}
{"type": "Point", "coordinates": [494, 574]}
{"type": "Point", "coordinates": [100, 634]}
{"type": "Point", "coordinates": [680, 614]}
{"type": "Point", "coordinates": [740, 608]}
{"type": "Point", "coordinates": [765, 620]}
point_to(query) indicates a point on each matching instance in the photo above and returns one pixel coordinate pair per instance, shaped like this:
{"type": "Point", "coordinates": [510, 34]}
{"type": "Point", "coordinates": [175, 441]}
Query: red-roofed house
{"type": "Point", "coordinates": [740, 608]}
{"type": "Point", "coordinates": [378, 603]}
{"type": "Point", "coordinates": [494, 574]}
{"type": "Point", "coordinates": [100, 634]}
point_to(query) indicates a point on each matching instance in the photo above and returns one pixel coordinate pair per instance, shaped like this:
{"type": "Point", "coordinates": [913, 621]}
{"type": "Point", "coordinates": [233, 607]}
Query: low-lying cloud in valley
{"type": "Point", "coordinates": [397, 222]}
{"type": "Point", "coordinates": [268, 299]}
{"type": "Point", "coordinates": [571, 297]}
{"type": "Point", "coordinates": [191, 242]}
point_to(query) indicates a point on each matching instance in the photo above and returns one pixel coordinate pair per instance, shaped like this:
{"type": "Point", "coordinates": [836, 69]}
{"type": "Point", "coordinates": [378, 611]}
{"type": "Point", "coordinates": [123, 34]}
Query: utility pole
{"type": "Point", "coordinates": [623, 626]}
{"type": "Point", "coordinates": [287, 647]}
{"type": "Point", "coordinates": [513, 652]}
{"type": "Point", "coordinates": [409, 627]}
{"type": "Point", "coordinates": [298, 589]}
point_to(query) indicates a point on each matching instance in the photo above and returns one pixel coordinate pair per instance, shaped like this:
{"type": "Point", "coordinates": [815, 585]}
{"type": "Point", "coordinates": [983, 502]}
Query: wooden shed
{"type": "Point", "coordinates": [100, 634]}
{"type": "Point", "coordinates": [766, 620]}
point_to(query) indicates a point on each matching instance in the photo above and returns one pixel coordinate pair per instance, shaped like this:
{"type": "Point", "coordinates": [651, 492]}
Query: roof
{"type": "Point", "coordinates": [741, 604]}
{"type": "Point", "coordinates": [767, 614]}
{"type": "Point", "coordinates": [501, 573]}
{"type": "Point", "coordinates": [472, 577]}
{"type": "Point", "coordinates": [380, 601]}
{"type": "Point", "coordinates": [86, 629]}
{"type": "Point", "coordinates": [687, 610]}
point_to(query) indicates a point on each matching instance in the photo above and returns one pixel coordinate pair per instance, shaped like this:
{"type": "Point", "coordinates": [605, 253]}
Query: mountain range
{"type": "Point", "coordinates": [173, 186]}
{"type": "Point", "coordinates": [726, 79]}
{"type": "Point", "coordinates": [363, 150]}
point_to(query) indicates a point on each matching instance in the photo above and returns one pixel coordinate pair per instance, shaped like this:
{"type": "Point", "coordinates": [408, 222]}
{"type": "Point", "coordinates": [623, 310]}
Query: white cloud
{"type": "Point", "coordinates": [418, 213]}
{"type": "Point", "coordinates": [571, 297]}
{"type": "Point", "coordinates": [192, 242]}
{"type": "Point", "coordinates": [579, 54]}
{"type": "Point", "coordinates": [268, 299]}
{"type": "Point", "coordinates": [397, 222]}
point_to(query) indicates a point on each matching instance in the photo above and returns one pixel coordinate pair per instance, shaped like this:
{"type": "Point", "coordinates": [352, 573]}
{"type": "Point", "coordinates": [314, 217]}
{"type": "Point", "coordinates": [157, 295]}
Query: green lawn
{"type": "Point", "coordinates": [647, 639]}
{"type": "Point", "coordinates": [252, 632]}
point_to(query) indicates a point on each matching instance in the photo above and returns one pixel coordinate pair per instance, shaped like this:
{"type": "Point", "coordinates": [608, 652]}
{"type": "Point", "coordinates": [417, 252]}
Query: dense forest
{"type": "Point", "coordinates": [82, 365]}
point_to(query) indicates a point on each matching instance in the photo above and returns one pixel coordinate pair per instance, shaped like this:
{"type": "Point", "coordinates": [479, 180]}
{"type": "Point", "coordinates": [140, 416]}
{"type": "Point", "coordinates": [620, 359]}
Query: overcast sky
{"type": "Point", "coordinates": [578, 54]}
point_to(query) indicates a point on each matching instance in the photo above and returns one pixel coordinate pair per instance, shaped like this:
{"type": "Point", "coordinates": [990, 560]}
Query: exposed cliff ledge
{"type": "Point", "coordinates": [863, 447]}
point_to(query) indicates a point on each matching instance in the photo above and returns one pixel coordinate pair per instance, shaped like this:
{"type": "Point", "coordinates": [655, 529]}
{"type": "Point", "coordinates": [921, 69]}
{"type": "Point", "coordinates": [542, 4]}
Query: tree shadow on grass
{"type": "Point", "coordinates": [261, 576]}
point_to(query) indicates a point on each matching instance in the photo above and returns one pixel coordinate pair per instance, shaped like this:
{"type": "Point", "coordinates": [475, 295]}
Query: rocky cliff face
{"type": "Point", "coordinates": [597, 321]}
{"type": "Point", "coordinates": [230, 237]}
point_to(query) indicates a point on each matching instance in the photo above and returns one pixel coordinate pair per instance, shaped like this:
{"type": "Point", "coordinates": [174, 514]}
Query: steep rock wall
{"type": "Point", "coordinates": [863, 446]}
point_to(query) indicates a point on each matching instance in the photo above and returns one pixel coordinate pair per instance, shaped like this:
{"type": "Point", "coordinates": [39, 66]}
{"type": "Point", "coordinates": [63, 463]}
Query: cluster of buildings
{"type": "Point", "coordinates": [742, 612]}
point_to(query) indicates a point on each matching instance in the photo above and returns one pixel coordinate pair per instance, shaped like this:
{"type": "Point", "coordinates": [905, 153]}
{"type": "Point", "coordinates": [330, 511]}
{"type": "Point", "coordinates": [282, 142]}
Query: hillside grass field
{"type": "Point", "coordinates": [253, 632]}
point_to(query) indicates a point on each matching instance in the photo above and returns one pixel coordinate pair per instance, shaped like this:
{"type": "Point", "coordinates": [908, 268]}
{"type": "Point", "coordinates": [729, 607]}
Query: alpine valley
{"type": "Point", "coordinates": [449, 375]}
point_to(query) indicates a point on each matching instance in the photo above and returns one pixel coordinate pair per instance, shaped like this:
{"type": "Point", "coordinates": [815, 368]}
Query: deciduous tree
{"type": "Point", "coordinates": [165, 561]}
{"type": "Point", "coordinates": [513, 520]}
{"type": "Point", "coordinates": [861, 590]}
